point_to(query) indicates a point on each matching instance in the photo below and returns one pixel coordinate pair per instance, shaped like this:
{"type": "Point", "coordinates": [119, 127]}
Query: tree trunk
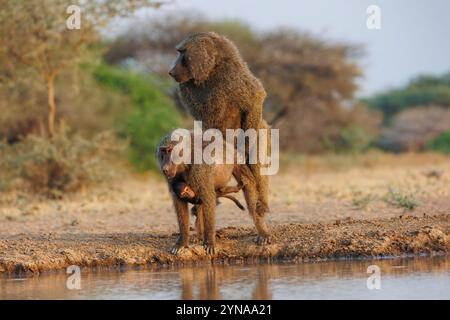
{"type": "Point", "coordinates": [51, 105]}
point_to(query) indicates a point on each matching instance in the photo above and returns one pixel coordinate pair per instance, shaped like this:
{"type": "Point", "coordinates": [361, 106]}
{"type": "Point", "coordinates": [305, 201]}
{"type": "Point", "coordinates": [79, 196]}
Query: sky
{"type": "Point", "coordinates": [414, 37]}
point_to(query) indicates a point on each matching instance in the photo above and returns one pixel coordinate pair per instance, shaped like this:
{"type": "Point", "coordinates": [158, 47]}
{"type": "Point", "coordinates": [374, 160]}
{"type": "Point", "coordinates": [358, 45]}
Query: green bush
{"type": "Point", "coordinates": [421, 91]}
{"type": "Point", "coordinates": [152, 115]}
{"type": "Point", "coordinates": [54, 167]}
{"type": "Point", "coordinates": [441, 143]}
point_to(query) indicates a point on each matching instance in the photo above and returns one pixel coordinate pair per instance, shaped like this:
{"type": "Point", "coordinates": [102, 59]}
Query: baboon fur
{"type": "Point", "coordinates": [221, 175]}
{"type": "Point", "coordinates": [218, 89]}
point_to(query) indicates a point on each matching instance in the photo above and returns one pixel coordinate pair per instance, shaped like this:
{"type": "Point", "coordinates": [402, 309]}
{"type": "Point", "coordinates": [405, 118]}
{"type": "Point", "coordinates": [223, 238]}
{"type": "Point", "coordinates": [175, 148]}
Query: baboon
{"type": "Point", "coordinates": [218, 89]}
{"type": "Point", "coordinates": [180, 188]}
{"type": "Point", "coordinates": [181, 176]}
{"type": "Point", "coordinates": [184, 192]}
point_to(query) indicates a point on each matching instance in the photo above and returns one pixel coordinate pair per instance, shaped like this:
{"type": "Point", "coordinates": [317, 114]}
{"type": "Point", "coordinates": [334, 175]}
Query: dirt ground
{"type": "Point", "coordinates": [321, 208]}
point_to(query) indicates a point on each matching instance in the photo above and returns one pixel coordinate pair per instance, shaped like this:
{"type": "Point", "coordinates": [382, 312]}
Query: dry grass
{"type": "Point", "coordinates": [307, 189]}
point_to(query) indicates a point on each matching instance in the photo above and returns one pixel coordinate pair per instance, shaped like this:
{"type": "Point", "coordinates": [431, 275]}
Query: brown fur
{"type": "Point", "coordinates": [218, 88]}
{"type": "Point", "coordinates": [184, 192]}
{"type": "Point", "coordinates": [215, 177]}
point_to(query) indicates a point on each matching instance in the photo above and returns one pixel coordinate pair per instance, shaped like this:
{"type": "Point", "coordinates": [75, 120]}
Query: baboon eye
{"type": "Point", "coordinates": [183, 60]}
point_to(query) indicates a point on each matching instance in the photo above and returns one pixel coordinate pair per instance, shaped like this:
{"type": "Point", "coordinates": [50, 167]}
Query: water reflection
{"type": "Point", "coordinates": [341, 279]}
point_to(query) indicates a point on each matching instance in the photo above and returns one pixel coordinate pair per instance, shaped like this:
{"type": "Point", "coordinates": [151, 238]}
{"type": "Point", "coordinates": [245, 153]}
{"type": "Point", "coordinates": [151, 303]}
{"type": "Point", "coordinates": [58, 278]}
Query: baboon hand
{"type": "Point", "coordinates": [176, 249]}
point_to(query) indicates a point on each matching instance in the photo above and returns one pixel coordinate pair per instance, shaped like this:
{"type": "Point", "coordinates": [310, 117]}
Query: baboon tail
{"type": "Point", "coordinates": [236, 201]}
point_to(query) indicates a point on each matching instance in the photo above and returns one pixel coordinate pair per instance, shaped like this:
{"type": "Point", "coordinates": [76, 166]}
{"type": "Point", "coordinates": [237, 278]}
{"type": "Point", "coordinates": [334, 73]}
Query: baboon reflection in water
{"type": "Point", "coordinates": [205, 283]}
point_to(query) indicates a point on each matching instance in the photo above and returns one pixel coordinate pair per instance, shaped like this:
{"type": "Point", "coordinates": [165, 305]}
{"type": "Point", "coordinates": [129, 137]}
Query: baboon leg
{"type": "Point", "coordinates": [262, 187]}
{"type": "Point", "coordinates": [262, 181]}
{"type": "Point", "coordinates": [181, 209]}
{"type": "Point", "coordinates": [199, 223]}
{"type": "Point", "coordinates": [251, 197]}
{"type": "Point", "coordinates": [201, 179]}
{"type": "Point", "coordinates": [209, 221]}
{"type": "Point", "coordinates": [230, 189]}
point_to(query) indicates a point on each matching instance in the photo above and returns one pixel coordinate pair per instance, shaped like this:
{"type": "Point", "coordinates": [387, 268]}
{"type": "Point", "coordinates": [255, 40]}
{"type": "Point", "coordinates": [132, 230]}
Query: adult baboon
{"type": "Point", "coordinates": [218, 89]}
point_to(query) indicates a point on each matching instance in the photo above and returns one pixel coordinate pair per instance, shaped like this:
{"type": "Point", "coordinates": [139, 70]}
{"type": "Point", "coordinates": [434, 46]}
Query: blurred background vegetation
{"type": "Point", "coordinates": [74, 103]}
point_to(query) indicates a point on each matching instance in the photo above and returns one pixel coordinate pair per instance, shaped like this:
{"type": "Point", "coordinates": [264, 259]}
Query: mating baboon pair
{"type": "Point", "coordinates": [218, 89]}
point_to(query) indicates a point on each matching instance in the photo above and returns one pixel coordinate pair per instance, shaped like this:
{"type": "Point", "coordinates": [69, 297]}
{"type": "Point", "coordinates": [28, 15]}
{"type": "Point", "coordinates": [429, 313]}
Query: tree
{"type": "Point", "coordinates": [421, 91]}
{"type": "Point", "coordinates": [34, 34]}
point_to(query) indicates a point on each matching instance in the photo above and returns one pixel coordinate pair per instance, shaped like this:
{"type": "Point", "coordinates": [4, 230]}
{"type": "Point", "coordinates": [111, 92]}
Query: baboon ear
{"type": "Point", "coordinates": [201, 59]}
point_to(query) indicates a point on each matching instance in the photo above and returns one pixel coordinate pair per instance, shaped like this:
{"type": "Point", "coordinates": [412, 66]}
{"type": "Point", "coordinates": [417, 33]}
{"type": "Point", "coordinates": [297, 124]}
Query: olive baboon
{"type": "Point", "coordinates": [181, 176]}
{"type": "Point", "coordinates": [184, 192]}
{"type": "Point", "coordinates": [218, 89]}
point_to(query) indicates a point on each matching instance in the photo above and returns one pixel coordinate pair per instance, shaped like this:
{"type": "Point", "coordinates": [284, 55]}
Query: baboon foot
{"type": "Point", "coordinates": [262, 240]}
{"type": "Point", "coordinates": [209, 249]}
{"type": "Point", "coordinates": [177, 249]}
{"type": "Point", "coordinates": [179, 246]}
{"type": "Point", "coordinates": [197, 239]}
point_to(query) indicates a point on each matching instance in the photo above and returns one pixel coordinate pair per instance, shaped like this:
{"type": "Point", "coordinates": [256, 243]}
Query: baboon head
{"type": "Point", "coordinates": [197, 56]}
{"type": "Point", "coordinates": [164, 155]}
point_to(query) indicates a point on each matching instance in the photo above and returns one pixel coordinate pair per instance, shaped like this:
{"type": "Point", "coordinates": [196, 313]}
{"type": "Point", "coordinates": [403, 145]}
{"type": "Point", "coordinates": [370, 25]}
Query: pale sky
{"type": "Point", "coordinates": [414, 37]}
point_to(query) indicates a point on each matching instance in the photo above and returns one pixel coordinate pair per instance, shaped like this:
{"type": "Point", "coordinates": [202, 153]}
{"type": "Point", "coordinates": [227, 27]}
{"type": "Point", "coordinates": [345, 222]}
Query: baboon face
{"type": "Point", "coordinates": [167, 166]}
{"type": "Point", "coordinates": [196, 58]}
{"type": "Point", "coordinates": [180, 71]}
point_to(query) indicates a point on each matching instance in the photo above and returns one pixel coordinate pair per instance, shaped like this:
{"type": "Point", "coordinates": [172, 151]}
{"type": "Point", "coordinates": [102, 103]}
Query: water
{"type": "Point", "coordinates": [415, 278]}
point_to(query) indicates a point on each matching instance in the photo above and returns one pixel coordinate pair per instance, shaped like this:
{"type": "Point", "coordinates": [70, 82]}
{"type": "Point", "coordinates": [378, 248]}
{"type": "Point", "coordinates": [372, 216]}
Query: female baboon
{"type": "Point", "coordinates": [218, 89]}
{"type": "Point", "coordinates": [182, 182]}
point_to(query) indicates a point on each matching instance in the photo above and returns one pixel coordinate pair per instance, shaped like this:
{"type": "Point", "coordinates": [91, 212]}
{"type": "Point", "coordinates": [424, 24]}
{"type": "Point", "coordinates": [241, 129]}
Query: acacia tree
{"type": "Point", "coordinates": [35, 34]}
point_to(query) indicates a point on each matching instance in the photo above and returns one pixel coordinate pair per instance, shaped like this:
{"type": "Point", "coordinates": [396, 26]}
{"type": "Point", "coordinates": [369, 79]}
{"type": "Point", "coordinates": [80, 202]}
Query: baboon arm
{"type": "Point", "coordinates": [229, 189]}
{"type": "Point", "coordinates": [181, 209]}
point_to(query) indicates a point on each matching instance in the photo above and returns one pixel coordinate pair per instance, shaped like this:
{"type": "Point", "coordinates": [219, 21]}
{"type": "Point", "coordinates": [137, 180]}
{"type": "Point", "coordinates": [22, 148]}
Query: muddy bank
{"type": "Point", "coordinates": [34, 253]}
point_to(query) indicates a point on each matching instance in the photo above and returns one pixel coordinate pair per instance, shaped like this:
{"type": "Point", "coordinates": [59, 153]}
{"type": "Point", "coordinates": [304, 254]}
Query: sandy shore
{"type": "Point", "coordinates": [322, 208]}
{"type": "Point", "coordinates": [295, 242]}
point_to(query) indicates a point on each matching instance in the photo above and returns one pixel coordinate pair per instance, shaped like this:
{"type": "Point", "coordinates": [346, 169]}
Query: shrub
{"type": "Point", "coordinates": [153, 114]}
{"type": "Point", "coordinates": [421, 91]}
{"type": "Point", "coordinates": [352, 139]}
{"type": "Point", "coordinates": [413, 128]}
{"type": "Point", "coordinates": [441, 143]}
{"type": "Point", "coordinates": [53, 167]}
{"type": "Point", "coordinates": [394, 197]}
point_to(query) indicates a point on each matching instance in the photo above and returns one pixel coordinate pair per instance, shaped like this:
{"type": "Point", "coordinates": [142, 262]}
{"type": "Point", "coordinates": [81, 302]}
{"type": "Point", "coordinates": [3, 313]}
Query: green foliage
{"type": "Point", "coordinates": [152, 115]}
{"type": "Point", "coordinates": [394, 197]}
{"type": "Point", "coordinates": [422, 91]}
{"type": "Point", "coordinates": [54, 167]}
{"type": "Point", "coordinates": [441, 143]}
